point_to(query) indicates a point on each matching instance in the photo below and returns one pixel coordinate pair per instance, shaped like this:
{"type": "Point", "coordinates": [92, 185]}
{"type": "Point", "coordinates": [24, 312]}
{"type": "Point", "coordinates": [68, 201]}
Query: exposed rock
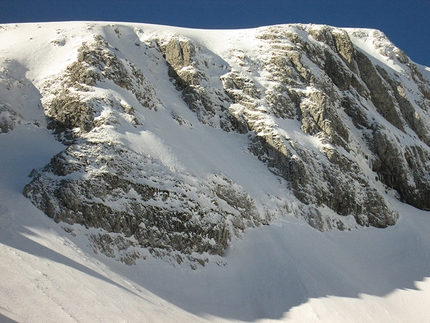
{"type": "Point", "coordinates": [407, 172]}
{"type": "Point", "coordinates": [8, 118]}
{"type": "Point", "coordinates": [66, 102]}
{"type": "Point", "coordinates": [105, 185]}
{"type": "Point", "coordinates": [190, 73]}
{"type": "Point", "coordinates": [409, 114]}
{"type": "Point", "coordinates": [334, 128]}
{"type": "Point", "coordinates": [380, 96]}
{"type": "Point", "coordinates": [116, 246]}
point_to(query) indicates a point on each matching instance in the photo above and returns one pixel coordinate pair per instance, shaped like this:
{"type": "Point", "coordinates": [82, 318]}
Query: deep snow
{"type": "Point", "coordinates": [287, 271]}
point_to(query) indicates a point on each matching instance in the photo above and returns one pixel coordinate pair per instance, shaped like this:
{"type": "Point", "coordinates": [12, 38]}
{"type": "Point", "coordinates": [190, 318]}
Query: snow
{"type": "Point", "coordinates": [283, 272]}
{"type": "Point", "coordinates": [372, 42]}
{"type": "Point", "coordinates": [286, 272]}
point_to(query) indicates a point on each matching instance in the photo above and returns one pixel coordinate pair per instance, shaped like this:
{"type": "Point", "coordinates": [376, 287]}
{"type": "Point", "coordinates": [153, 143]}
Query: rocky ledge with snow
{"type": "Point", "coordinates": [177, 140]}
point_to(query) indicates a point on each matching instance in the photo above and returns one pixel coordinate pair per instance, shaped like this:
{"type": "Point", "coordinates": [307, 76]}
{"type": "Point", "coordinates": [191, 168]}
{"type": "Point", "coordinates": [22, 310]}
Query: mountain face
{"type": "Point", "coordinates": [177, 140]}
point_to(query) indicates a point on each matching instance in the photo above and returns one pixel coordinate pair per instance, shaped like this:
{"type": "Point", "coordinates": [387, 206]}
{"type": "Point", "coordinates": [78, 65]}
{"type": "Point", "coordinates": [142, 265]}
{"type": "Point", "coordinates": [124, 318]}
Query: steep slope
{"type": "Point", "coordinates": [179, 139]}
{"type": "Point", "coordinates": [172, 142]}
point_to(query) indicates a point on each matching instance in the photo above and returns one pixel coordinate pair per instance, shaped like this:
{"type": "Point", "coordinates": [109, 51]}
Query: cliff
{"type": "Point", "coordinates": [177, 140]}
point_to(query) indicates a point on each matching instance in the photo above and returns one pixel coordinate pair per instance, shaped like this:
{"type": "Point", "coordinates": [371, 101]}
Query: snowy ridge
{"type": "Point", "coordinates": [207, 149]}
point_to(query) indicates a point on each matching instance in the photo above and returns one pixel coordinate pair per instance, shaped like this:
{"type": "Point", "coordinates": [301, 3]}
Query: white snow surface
{"type": "Point", "coordinates": [286, 272]}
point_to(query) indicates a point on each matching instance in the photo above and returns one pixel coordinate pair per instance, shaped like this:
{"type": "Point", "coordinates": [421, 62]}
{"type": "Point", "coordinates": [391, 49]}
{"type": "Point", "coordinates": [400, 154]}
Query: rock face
{"type": "Point", "coordinates": [123, 192]}
{"type": "Point", "coordinates": [336, 127]}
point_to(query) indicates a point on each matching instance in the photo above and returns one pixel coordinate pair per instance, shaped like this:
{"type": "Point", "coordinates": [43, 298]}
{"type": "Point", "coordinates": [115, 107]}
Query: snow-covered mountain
{"type": "Point", "coordinates": [193, 158]}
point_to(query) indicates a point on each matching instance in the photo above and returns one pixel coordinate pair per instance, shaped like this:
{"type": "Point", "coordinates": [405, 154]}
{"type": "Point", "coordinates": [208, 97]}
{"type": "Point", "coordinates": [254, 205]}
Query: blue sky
{"type": "Point", "coordinates": [406, 23]}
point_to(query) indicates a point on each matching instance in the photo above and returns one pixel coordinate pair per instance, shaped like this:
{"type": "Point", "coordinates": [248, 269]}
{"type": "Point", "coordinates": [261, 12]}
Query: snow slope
{"type": "Point", "coordinates": [283, 272]}
{"type": "Point", "coordinates": [287, 271]}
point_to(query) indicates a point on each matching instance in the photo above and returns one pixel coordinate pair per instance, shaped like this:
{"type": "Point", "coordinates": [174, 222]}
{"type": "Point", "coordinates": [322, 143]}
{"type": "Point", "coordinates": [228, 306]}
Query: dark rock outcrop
{"type": "Point", "coordinates": [337, 127]}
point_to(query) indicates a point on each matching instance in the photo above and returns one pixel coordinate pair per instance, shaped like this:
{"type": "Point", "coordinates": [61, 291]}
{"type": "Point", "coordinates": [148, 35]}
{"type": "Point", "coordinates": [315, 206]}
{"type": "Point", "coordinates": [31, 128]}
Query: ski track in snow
{"type": "Point", "coordinates": [283, 272]}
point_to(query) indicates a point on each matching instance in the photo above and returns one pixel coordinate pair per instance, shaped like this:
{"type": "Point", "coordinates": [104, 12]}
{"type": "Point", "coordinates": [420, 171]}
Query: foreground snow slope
{"type": "Point", "coordinates": [313, 161]}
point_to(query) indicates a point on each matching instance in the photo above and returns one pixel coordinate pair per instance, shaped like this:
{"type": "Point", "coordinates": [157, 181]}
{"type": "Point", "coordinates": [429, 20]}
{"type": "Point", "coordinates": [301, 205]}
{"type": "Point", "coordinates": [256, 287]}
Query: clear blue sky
{"type": "Point", "coordinates": [406, 23]}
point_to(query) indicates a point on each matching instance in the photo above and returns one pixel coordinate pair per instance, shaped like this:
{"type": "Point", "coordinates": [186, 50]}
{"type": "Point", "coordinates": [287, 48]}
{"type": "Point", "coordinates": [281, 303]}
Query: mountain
{"type": "Point", "coordinates": [164, 147]}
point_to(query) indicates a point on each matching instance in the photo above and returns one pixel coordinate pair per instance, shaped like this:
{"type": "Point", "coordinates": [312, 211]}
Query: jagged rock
{"type": "Point", "coordinates": [8, 118]}
{"type": "Point", "coordinates": [189, 71]}
{"type": "Point", "coordinates": [114, 198]}
{"type": "Point", "coordinates": [405, 172]}
{"type": "Point", "coordinates": [413, 119]}
{"type": "Point", "coordinates": [336, 129]}
{"type": "Point", "coordinates": [380, 96]}
{"type": "Point", "coordinates": [118, 247]}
